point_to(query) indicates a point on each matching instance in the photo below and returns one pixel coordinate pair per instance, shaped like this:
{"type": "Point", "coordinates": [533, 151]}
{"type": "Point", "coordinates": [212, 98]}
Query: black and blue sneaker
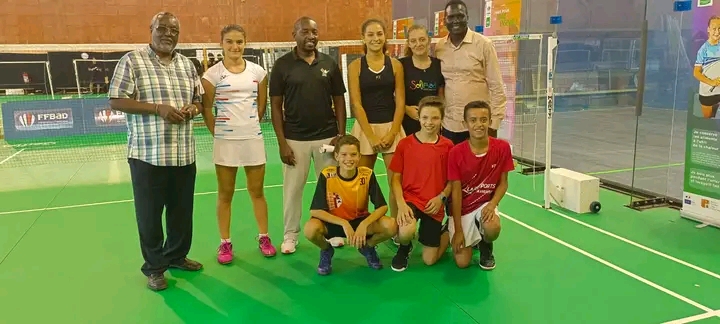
{"type": "Point", "coordinates": [325, 266]}
{"type": "Point", "coordinates": [371, 256]}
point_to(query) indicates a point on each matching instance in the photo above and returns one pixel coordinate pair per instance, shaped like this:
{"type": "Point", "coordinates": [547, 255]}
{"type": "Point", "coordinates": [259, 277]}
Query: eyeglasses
{"type": "Point", "coordinates": [165, 29]}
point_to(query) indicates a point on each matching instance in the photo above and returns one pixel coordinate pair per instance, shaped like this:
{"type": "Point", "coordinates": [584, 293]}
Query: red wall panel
{"type": "Point", "coordinates": [128, 21]}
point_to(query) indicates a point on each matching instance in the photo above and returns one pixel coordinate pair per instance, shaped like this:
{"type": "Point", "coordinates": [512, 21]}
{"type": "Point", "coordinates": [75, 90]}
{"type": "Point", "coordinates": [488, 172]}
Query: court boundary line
{"type": "Point", "coordinates": [708, 311]}
{"type": "Point", "coordinates": [694, 318]}
{"type": "Point", "coordinates": [11, 156]}
{"type": "Point", "coordinates": [650, 167]}
{"type": "Point", "coordinates": [114, 202]}
{"type": "Point", "coordinates": [597, 229]}
{"type": "Point", "coordinates": [620, 238]}
{"type": "Point", "coordinates": [609, 264]}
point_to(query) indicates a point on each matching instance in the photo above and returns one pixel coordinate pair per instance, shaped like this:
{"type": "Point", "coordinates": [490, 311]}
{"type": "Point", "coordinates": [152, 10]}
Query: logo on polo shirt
{"type": "Point", "coordinates": [324, 72]}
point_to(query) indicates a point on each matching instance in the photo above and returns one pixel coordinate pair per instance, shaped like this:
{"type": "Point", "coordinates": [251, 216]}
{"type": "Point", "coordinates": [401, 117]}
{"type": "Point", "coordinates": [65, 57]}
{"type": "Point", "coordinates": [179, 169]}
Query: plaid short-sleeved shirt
{"type": "Point", "coordinates": [141, 76]}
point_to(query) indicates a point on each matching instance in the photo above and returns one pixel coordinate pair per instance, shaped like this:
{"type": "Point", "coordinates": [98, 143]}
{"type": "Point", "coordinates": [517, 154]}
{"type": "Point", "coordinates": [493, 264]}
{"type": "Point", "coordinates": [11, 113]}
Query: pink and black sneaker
{"type": "Point", "coordinates": [225, 253]}
{"type": "Point", "coordinates": [266, 247]}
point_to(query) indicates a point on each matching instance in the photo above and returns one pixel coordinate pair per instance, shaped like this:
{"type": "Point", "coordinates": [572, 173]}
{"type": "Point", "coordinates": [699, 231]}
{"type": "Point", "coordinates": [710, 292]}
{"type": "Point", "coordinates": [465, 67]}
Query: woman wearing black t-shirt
{"type": "Point", "coordinates": [423, 76]}
{"type": "Point", "coordinates": [377, 95]}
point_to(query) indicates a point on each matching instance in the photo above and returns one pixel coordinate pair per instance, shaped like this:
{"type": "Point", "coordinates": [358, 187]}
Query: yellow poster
{"type": "Point", "coordinates": [440, 30]}
{"type": "Point", "coordinates": [502, 17]}
{"type": "Point", "coordinates": [401, 26]}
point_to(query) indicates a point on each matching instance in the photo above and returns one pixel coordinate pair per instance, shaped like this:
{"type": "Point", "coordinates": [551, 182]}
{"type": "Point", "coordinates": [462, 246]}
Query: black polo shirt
{"type": "Point", "coordinates": [307, 91]}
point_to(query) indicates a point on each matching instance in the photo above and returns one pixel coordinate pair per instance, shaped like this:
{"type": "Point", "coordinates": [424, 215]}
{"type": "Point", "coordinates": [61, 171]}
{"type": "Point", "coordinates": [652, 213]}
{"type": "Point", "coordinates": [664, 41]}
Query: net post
{"type": "Point", "coordinates": [537, 106]}
{"type": "Point", "coordinates": [265, 59]}
{"type": "Point", "coordinates": [205, 61]}
{"type": "Point", "coordinates": [77, 78]}
{"type": "Point", "coordinates": [539, 74]}
{"type": "Point", "coordinates": [52, 90]}
{"type": "Point", "coordinates": [550, 106]}
{"type": "Point", "coordinates": [344, 62]}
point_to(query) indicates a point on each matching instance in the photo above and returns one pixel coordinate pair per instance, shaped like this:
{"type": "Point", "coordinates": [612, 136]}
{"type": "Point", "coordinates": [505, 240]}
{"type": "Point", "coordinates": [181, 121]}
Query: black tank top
{"type": "Point", "coordinates": [377, 92]}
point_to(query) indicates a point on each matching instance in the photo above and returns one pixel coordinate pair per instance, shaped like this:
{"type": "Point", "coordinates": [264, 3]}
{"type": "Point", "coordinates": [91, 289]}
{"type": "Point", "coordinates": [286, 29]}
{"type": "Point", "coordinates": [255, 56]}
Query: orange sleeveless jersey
{"type": "Point", "coordinates": [347, 198]}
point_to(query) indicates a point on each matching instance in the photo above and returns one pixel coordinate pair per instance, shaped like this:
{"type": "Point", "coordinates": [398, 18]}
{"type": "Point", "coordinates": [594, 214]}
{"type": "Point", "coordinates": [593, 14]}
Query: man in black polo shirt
{"type": "Point", "coordinates": [307, 83]}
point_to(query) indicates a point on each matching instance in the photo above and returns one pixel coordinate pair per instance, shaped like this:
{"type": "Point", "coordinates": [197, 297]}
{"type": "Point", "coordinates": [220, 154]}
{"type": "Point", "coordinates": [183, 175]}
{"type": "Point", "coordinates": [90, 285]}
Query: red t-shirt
{"type": "Point", "coordinates": [479, 175]}
{"type": "Point", "coordinates": [424, 170]}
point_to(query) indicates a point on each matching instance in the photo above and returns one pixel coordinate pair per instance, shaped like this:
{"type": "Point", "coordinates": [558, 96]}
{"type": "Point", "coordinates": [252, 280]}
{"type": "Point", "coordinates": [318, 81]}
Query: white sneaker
{"type": "Point", "coordinates": [336, 241]}
{"type": "Point", "coordinates": [288, 246]}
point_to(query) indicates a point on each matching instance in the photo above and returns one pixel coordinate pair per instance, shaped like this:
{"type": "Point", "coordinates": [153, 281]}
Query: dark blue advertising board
{"type": "Point", "coordinates": [54, 118]}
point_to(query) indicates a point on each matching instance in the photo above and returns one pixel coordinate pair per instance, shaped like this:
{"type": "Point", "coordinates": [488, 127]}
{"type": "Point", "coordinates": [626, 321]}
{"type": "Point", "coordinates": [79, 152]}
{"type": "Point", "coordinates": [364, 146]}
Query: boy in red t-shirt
{"type": "Point", "coordinates": [420, 186]}
{"type": "Point", "coordinates": [478, 172]}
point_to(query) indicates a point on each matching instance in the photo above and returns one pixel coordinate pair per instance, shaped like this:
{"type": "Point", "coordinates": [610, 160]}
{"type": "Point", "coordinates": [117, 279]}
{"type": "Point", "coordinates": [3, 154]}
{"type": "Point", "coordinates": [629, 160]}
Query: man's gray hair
{"type": "Point", "coordinates": [160, 15]}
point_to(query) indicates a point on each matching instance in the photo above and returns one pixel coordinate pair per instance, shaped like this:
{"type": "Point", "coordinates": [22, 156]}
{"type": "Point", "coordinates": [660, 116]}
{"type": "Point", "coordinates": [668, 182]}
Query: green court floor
{"type": "Point", "coordinates": [70, 255]}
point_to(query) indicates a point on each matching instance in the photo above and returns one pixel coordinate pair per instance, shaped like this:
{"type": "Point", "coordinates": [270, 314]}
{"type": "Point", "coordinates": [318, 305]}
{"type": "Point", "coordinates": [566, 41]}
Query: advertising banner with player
{"type": "Point", "coordinates": [502, 17]}
{"type": "Point", "coordinates": [106, 117]}
{"type": "Point", "coordinates": [702, 149]}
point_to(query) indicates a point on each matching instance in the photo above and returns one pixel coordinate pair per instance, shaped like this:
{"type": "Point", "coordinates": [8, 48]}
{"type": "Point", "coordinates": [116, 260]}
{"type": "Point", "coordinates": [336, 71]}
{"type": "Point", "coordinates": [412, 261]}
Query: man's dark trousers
{"type": "Point", "coordinates": [157, 189]}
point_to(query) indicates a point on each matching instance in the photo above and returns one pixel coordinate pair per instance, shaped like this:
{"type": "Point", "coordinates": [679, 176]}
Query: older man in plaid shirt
{"type": "Point", "coordinates": [159, 90]}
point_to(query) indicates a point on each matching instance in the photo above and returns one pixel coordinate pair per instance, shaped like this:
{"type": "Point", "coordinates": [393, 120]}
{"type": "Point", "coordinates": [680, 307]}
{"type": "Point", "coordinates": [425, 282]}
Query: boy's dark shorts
{"type": "Point", "coordinates": [430, 229]}
{"type": "Point", "coordinates": [709, 101]}
{"type": "Point", "coordinates": [334, 230]}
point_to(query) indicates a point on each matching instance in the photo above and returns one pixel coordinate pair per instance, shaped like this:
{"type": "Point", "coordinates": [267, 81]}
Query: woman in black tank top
{"type": "Point", "coordinates": [377, 95]}
{"type": "Point", "coordinates": [423, 76]}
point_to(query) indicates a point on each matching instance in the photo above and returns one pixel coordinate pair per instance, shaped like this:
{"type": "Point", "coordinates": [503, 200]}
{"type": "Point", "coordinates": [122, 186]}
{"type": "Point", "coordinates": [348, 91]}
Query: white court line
{"type": "Point", "coordinates": [671, 258]}
{"type": "Point", "coordinates": [638, 245]}
{"type": "Point", "coordinates": [709, 312]}
{"type": "Point", "coordinates": [113, 202]}
{"type": "Point", "coordinates": [695, 318]}
{"type": "Point", "coordinates": [11, 156]}
{"type": "Point", "coordinates": [621, 270]}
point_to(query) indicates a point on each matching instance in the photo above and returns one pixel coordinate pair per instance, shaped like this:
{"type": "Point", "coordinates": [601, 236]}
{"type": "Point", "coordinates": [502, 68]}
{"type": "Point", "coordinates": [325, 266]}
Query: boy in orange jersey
{"type": "Point", "coordinates": [340, 208]}
{"type": "Point", "coordinates": [420, 186]}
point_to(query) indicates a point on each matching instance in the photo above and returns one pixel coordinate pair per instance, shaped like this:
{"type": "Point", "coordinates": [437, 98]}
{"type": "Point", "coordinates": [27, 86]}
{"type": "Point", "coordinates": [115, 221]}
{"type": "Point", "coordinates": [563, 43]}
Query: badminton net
{"type": "Point", "coordinates": [63, 116]}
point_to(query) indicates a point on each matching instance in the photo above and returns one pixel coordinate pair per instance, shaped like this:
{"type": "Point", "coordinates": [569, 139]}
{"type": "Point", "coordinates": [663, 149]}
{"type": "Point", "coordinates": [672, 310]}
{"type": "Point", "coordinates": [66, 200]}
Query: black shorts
{"type": "Point", "coordinates": [334, 230]}
{"type": "Point", "coordinates": [454, 137]}
{"type": "Point", "coordinates": [709, 101]}
{"type": "Point", "coordinates": [458, 138]}
{"type": "Point", "coordinates": [430, 229]}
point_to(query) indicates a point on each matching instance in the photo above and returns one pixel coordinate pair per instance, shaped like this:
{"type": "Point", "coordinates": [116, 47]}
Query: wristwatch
{"type": "Point", "coordinates": [442, 197]}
